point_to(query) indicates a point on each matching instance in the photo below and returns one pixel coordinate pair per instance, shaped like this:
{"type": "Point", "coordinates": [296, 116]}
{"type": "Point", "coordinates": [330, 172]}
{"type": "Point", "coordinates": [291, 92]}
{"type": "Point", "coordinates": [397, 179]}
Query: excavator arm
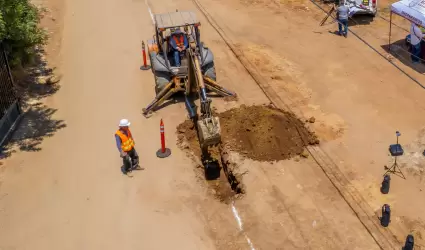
{"type": "Point", "coordinates": [208, 126]}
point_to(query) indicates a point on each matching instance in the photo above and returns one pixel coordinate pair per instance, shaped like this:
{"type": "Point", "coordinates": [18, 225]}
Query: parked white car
{"type": "Point", "coordinates": [362, 7]}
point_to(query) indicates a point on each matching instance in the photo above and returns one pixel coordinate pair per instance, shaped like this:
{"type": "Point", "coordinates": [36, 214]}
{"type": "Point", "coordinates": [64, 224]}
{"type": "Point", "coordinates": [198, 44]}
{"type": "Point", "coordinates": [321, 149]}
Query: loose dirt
{"type": "Point", "coordinates": [261, 133]}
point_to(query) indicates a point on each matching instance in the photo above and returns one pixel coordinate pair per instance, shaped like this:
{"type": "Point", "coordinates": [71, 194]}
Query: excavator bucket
{"type": "Point", "coordinates": [209, 131]}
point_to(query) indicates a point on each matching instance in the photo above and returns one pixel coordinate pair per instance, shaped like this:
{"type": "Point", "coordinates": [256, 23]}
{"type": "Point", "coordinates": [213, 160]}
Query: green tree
{"type": "Point", "coordinates": [19, 30]}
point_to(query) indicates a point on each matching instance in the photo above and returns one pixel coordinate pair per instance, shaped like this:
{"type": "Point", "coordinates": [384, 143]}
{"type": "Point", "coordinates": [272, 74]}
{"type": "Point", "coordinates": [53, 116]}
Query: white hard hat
{"type": "Point", "coordinates": [124, 123]}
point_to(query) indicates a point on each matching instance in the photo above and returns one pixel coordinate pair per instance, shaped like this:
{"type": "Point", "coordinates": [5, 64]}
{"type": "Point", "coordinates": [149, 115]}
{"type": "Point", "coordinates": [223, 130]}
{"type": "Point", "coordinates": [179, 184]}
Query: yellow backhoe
{"type": "Point", "coordinates": [190, 71]}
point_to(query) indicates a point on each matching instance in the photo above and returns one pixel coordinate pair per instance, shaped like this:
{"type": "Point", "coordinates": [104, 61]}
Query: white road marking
{"type": "Point", "coordinates": [150, 12]}
{"type": "Point", "coordinates": [239, 221]}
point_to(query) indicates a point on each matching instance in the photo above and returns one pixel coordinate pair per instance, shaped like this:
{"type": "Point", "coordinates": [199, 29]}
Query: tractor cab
{"type": "Point", "coordinates": [171, 28]}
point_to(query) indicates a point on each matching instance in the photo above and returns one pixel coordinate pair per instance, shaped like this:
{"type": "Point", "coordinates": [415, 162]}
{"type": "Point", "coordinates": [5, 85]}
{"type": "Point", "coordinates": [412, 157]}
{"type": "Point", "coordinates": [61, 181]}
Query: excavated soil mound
{"type": "Point", "coordinates": [261, 133]}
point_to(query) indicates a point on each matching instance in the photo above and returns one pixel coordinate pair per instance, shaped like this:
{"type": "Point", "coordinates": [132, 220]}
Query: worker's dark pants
{"type": "Point", "coordinates": [176, 54]}
{"type": "Point", "coordinates": [416, 53]}
{"type": "Point", "coordinates": [343, 22]}
{"type": "Point", "coordinates": [134, 158]}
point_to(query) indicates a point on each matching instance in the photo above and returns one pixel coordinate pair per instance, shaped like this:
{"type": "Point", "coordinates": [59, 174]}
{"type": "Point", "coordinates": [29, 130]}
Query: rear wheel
{"type": "Point", "coordinates": [161, 80]}
{"type": "Point", "coordinates": [152, 57]}
{"type": "Point", "coordinates": [150, 60]}
{"type": "Point", "coordinates": [209, 71]}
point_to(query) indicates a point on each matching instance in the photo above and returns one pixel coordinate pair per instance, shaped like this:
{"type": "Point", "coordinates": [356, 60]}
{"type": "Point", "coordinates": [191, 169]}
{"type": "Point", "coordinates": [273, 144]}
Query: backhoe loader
{"type": "Point", "coordinates": [194, 75]}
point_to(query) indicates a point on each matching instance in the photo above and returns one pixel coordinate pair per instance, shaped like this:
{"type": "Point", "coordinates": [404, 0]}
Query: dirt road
{"type": "Point", "coordinates": [358, 99]}
{"type": "Point", "coordinates": [71, 194]}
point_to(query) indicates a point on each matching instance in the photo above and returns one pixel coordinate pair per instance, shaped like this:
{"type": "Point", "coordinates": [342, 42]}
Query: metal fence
{"type": "Point", "coordinates": [10, 110]}
{"type": "Point", "coordinates": [7, 91]}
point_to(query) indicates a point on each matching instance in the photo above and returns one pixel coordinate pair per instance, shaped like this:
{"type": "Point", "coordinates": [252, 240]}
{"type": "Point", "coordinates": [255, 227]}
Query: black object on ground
{"type": "Point", "coordinates": [410, 242]}
{"type": "Point", "coordinates": [212, 169]}
{"type": "Point", "coordinates": [386, 215]}
{"type": "Point", "coordinates": [385, 188]}
{"type": "Point", "coordinates": [396, 150]}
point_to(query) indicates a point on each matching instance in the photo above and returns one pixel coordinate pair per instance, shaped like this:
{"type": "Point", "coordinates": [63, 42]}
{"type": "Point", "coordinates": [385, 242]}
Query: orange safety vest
{"type": "Point", "coordinates": [179, 43]}
{"type": "Point", "coordinates": [127, 142]}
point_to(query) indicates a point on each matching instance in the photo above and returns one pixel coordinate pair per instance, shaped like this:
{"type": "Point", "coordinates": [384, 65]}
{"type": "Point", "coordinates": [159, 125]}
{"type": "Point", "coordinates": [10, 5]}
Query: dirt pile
{"type": "Point", "coordinates": [261, 133]}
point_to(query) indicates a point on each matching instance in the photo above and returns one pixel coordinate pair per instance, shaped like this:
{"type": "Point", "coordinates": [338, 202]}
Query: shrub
{"type": "Point", "coordinates": [20, 31]}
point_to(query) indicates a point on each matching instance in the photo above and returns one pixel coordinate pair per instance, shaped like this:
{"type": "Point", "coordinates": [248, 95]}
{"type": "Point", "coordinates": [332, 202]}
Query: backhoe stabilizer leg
{"type": "Point", "coordinates": [220, 92]}
{"type": "Point", "coordinates": [162, 96]}
{"type": "Point", "coordinates": [212, 85]}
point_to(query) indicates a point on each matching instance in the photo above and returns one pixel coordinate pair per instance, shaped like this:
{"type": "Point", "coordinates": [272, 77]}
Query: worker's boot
{"type": "Point", "coordinates": [135, 163]}
{"type": "Point", "coordinates": [128, 164]}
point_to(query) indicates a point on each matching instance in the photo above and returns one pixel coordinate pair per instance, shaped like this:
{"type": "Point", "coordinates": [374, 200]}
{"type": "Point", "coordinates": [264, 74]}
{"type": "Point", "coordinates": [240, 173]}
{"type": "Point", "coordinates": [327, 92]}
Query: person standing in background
{"type": "Point", "coordinates": [342, 16]}
{"type": "Point", "coordinates": [415, 40]}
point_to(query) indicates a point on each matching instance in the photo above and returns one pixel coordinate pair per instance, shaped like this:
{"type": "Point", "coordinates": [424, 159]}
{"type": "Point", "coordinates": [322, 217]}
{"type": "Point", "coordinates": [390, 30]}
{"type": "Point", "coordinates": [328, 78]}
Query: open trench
{"type": "Point", "coordinates": [260, 133]}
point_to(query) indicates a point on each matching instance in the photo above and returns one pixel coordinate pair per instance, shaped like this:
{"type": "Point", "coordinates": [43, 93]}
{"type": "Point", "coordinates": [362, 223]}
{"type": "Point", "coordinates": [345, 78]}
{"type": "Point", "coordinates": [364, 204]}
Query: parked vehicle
{"type": "Point", "coordinates": [362, 7]}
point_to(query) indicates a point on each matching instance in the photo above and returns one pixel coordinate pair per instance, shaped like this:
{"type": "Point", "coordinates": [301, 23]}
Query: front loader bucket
{"type": "Point", "coordinates": [209, 131]}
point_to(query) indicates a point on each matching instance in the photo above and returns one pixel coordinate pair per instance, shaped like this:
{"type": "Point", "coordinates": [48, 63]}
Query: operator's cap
{"type": "Point", "coordinates": [177, 30]}
{"type": "Point", "coordinates": [124, 123]}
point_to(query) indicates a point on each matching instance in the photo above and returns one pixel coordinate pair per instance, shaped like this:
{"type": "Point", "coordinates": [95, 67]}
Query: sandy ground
{"type": "Point", "coordinates": [70, 194]}
{"type": "Point", "coordinates": [358, 98]}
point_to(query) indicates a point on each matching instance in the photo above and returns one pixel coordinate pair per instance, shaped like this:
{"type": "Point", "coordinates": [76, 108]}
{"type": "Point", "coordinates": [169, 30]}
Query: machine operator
{"type": "Point", "coordinates": [178, 43]}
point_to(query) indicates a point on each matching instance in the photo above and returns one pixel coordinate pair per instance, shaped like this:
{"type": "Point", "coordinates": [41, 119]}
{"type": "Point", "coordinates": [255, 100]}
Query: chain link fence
{"type": "Point", "coordinates": [10, 110]}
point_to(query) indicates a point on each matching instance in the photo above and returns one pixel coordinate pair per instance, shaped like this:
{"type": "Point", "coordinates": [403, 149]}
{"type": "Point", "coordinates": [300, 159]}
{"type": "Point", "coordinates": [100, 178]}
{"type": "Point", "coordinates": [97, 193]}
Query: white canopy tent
{"type": "Point", "coordinates": [412, 10]}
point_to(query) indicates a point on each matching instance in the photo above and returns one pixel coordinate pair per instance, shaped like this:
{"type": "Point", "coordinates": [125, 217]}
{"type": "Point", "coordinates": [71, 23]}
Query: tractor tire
{"type": "Point", "coordinates": [209, 71]}
{"type": "Point", "coordinates": [150, 61]}
{"type": "Point", "coordinates": [161, 80]}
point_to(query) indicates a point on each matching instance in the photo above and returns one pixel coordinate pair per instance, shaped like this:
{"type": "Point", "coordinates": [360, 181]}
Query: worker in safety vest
{"type": "Point", "coordinates": [178, 43]}
{"type": "Point", "coordinates": [125, 145]}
